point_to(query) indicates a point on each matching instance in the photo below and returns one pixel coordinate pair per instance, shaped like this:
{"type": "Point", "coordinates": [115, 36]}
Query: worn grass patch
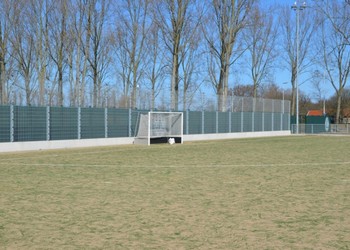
{"type": "Point", "coordinates": [271, 193]}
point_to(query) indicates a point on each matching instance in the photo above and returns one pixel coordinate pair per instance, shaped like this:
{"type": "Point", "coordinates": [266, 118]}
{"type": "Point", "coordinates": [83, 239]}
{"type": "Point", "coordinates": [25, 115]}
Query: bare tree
{"type": "Point", "coordinates": [23, 44]}
{"type": "Point", "coordinates": [260, 38]}
{"type": "Point", "coordinates": [154, 73]}
{"type": "Point", "coordinates": [5, 11]}
{"type": "Point", "coordinates": [40, 14]}
{"type": "Point", "coordinates": [227, 18]}
{"type": "Point", "coordinates": [272, 91]}
{"type": "Point", "coordinates": [242, 90]}
{"type": "Point", "coordinates": [131, 36]}
{"type": "Point", "coordinates": [58, 32]}
{"type": "Point", "coordinates": [85, 5]}
{"type": "Point", "coordinates": [96, 47]}
{"type": "Point", "coordinates": [123, 70]}
{"type": "Point", "coordinates": [190, 67]}
{"type": "Point", "coordinates": [191, 59]}
{"type": "Point", "coordinates": [308, 26]}
{"type": "Point", "coordinates": [174, 17]}
{"type": "Point", "coordinates": [336, 49]}
{"type": "Point", "coordinates": [80, 24]}
{"type": "Point", "coordinates": [337, 13]}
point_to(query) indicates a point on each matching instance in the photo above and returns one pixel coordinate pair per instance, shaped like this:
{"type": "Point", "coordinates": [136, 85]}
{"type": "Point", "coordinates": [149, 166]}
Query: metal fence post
{"type": "Point", "coordinates": [253, 115]}
{"type": "Point", "coordinates": [12, 124]}
{"type": "Point", "coordinates": [230, 121]}
{"type": "Point", "coordinates": [129, 122]}
{"type": "Point", "coordinates": [272, 116]}
{"type": "Point", "coordinates": [282, 115]}
{"type": "Point", "coordinates": [242, 114]}
{"type": "Point", "coordinates": [187, 121]}
{"type": "Point", "coordinates": [202, 121]}
{"type": "Point", "coordinates": [106, 123]}
{"type": "Point", "coordinates": [79, 123]}
{"type": "Point", "coordinates": [263, 116]}
{"type": "Point", "coordinates": [217, 122]}
{"type": "Point", "coordinates": [48, 123]}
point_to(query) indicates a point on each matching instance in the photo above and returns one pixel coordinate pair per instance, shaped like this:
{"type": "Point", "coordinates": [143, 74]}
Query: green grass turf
{"type": "Point", "coordinates": [268, 193]}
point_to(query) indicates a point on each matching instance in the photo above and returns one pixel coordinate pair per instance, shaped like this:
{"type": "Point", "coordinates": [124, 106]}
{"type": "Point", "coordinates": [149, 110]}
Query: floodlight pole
{"type": "Point", "coordinates": [297, 8]}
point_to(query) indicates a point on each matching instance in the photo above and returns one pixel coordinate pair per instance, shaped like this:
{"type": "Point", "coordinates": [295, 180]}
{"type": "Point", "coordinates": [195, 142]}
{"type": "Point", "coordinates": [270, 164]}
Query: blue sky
{"type": "Point", "coordinates": [283, 76]}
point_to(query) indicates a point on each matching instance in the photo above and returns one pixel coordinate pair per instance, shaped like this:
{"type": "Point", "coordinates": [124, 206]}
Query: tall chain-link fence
{"type": "Point", "coordinates": [249, 104]}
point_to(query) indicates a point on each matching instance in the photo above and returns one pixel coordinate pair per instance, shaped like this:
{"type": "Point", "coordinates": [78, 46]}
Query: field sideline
{"type": "Point", "coordinates": [264, 193]}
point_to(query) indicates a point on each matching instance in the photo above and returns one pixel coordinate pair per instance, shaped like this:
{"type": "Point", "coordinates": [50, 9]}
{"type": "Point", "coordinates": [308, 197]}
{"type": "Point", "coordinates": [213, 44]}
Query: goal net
{"type": "Point", "coordinates": [157, 127]}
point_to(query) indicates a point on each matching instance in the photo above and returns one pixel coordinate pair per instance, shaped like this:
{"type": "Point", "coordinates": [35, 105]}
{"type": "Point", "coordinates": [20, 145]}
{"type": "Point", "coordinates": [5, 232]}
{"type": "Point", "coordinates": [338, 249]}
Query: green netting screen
{"type": "Point", "coordinates": [60, 123]}
{"type": "Point", "coordinates": [247, 121]}
{"type": "Point", "coordinates": [267, 121]}
{"type": "Point", "coordinates": [236, 122]}
{"type": "Point", "coordinates": [277, 119]}
{"type": "Point", "coordinates": [118, 122]}
{"type": "Point", "coordinates": [63, 123]}
{"type": "Point", "coordinates": [92, 123]}
{"type": "Point", "coordinates": [195, 122]}
{"type": "Point", "coordinates": [258, 121]}
{"type": "Point", "coordinates": [210, 122]}
{"type": "Point", "coordinates": [223, 122]}
{"type": "Point", "coordinates": [5, 120]}
{"type": "Point", "coordinates": [30, 123]}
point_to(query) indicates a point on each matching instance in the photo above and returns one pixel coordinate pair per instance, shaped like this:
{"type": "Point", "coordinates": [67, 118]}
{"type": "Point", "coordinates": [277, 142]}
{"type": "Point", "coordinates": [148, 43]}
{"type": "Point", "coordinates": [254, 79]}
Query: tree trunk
{"type": "Point", "coordinates": [86, 56]}
{"type": "Point", "coordinates": [60, 86]}
{"type": "Point", "coordinates": [27, 89]}
{"type": "Point", "coordinates": [2, 67]}
{"type": "Point", "coordinates": [95, 88]}
{"type": "Point", "coordinates": [223, 87]}
{"type": "Point", "coordinates": [2, 81]}
{"type": "Point", "coordinates": [174, 88]}
{"type": "Point", "coordinates": [337, 117]}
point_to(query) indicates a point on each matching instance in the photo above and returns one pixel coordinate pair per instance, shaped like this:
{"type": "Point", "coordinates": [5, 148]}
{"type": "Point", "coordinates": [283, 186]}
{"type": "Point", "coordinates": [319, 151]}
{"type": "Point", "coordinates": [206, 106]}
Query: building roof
{"type": "Point", "coordinates": [315, 113]}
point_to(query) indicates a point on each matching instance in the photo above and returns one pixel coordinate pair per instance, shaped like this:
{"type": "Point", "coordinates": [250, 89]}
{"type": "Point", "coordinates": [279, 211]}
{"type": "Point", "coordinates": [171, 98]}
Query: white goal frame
{"type": "Point", "coordinates": [163, 127]}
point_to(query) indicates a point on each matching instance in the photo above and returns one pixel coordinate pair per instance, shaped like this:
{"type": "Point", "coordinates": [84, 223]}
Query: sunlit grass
{"type": "Point", "coordinates": [270, 193]}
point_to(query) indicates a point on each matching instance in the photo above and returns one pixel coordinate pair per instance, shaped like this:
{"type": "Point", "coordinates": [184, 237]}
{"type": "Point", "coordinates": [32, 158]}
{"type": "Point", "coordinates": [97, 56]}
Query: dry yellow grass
{"type": "Point", "coordinates": [271, 193]}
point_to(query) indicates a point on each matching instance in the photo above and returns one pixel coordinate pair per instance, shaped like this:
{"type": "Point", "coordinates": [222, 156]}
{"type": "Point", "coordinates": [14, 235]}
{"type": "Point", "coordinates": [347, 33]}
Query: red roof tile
{"type": "Point", "coordinates": [315, 113]}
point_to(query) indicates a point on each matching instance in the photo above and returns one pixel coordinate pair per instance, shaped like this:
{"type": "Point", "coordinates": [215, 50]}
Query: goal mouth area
{"type": "Point", "coordinates": [159, 127]}
{"type": "Point", "coordinates": [157, 140]}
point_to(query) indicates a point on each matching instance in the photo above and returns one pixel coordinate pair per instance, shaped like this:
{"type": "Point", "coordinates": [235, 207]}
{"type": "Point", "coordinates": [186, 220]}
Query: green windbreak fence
{"type": "Point", "coordinates": [30, 124]}
{"type": "Point", "coordinates": [223, 122]}
{"type": "Point", "coordinates": [210, 122]}
{"type": "Point", "coordinates": [92, 123]}
{"type": "Point", "coordinates": [118, 122]}
{"type": "Point", "coordinates": [19, 123]}
{"type": "Point", "coordinates": [63, 123]}
{"type": "Point", "coordinates": [196, 121]}
{"type": "Point", "coordinates": [5, 123]}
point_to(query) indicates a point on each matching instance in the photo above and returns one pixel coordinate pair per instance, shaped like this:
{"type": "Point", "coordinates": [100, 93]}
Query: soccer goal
{"type": "Point", "coordinates": [159, 127]}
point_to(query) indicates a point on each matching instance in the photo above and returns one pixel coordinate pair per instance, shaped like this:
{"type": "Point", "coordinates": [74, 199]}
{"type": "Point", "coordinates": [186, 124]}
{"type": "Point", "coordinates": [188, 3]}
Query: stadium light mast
{"type": "Point", "coordinates": [297, 8]}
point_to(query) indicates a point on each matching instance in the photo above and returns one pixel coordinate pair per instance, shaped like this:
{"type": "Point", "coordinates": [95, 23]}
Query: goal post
{"type": "Point", "coordinates": [158, 127]}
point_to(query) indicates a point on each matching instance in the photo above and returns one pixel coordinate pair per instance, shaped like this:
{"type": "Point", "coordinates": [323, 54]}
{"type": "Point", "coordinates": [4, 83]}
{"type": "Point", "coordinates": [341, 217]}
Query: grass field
{"type": "Point", "coordinates": [268, 193]}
